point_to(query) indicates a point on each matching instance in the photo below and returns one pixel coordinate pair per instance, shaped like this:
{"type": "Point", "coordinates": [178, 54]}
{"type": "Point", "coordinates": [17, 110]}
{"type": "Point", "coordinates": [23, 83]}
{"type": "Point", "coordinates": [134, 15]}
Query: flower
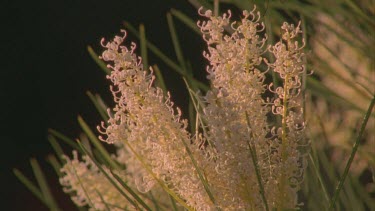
{"type": "Point", "coordinates": [236, 90]}
{"type": "Point", "coordinates": [288, 159]}
{"type": "Point", "coordinates": [81, 179]}
{"type": "Point", "coordinates": [145, 119]}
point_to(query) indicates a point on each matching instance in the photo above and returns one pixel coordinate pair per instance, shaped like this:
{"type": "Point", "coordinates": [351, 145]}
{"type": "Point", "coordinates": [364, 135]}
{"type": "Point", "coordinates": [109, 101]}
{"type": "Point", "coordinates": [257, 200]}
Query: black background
{"type": "Point", "coordinates": [46, 71]}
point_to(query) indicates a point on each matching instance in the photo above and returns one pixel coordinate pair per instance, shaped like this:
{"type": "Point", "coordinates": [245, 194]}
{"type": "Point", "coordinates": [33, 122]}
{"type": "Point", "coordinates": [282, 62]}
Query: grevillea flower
{"type": "Point", "coordinates": [145, 119]}
{"type": "Point", "coordinates": [241, 160]}
{"type": "Point", "coordinates": [89, 186]}
{"type": "Point", "coordinates": [236, 89]}
{"type": "Point", "coordinates": [288, 160]}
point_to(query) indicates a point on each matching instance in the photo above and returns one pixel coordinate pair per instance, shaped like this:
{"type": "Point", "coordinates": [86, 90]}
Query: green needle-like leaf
{"type": "Point", "coordinates": [111, 180]}
{"type": "Point", "coordinates": [160, 182]}
{"type": "Point", "coordinates": [55, 164]}
{"type": "Point", "coordinates": [175, 41]}
{"type": "Point", "coordinates": [186, 20]}
{"type": "Point", "coordinates": [30, 185]}
{"type": "Point", "coordinates": [254, 159]}
{"type": "Point", "coordinates": [65, 139]}
{"type": "Point", "coordinates": [130, 191]}
{"type": "Point", "coordinates": [164, 58]}
{"type": "Point", "coordinates": [99, 108]}
{"type": "Point", "coordinates": [143, 42]}
{"type": "Point", "coordinates": [42, 182]}
{"type": "Point", "coordinates": [55, 145]}
{"type": "Point", "coordinates": [351, 158]}
{"type": "Point", "coordinates": [99, 62]}
{"type": "Point", "coordinates": [321, 90]}
{"type": "Point", "coordinates": [159, 79]}
{"type": "Point", "coordinates": [316, 171]}
{"type": "Point", "coordinates": [96, 142]}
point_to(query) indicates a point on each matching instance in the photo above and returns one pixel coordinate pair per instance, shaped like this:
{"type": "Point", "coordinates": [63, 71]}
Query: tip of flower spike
{"type": "Point", "coordinates": [207, 14]}
{"type": "Point", "coordinates": [112, 47]}
{"type": "Point", "coordinates": [290, 31]}
{"type": "Point", "coordinates": [245, 13]}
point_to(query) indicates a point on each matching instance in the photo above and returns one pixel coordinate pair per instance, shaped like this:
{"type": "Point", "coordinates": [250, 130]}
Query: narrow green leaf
{"type": "Point", "coordinates": [143, 42]}
{"type": "Point", "coordinates": [363, 194]}
{"type": "Point", "coordinates": [351, 158]}
{"type": "Point", "coordinates": [159, 79]}
{"type": "Point", "coordinates": [304, 74]}
{"type": "Point", "coordinates": [321, 90]}
{"type": "Point", "coordinates": [216, 7]}
{"type": "Point", "coordinates": [359, 12]}
{"type": "Point", "coordinates": [55, 164]}
{"type": "Point", "coordinates": [130, 191]}
{"type": "Point", "coordinates": [156, 50]}
{"type": "Point", "coordinates": [30, 185]}
{"type": "Point", "coordinates": [65, 139]}
{"type": "Point", "coordinates": [99, 62]}
{"type": "Point", "coordinates": [254, 159]}
{"type": "Point", "coordinates": [173, 202]}
{"type": "Point", "coordinates": [113, 182]}
{"type": "Point", "coordinates": [319, 177]}
{"type": "Point", "coordinates": [354, 202]}
{"type": "Point", "coordinates": [190, 78]}
{"type": "Point", "coordinates": [338, 75]}
{"type": "Point", "coordinates": [89, 202]}
{"type": "Point", "coordinates": [270, 42]}
{"type": "Point", "coordinates": [96, 142]}
{"type": "Point", "coordinates": [163, 57]}
{"type": "Point", "coordinates": [201, 3]}
{"type": "Point", "coordinates": [55, 145]}
{"type": "Point", "coordinates": [157, 207]}
{"type": "Point", "coordinates": [42, 182]}
{"type": "Point", "coordinates": [186, 20]}
{"type": "Point", "coordinates": [175, 41]}
{"type": "Point", "coordinates": [160, 182]}
{"type": "Point", "coordinates": [326, 165]}
{"type": "Point", "coordinates": [102, 199]}
{"type": "Point", "coordinates": [198, 105]}
{"type": "Point", "coordinates": [200, 175]}
{"type": "Point", "coordinates": [249, 4]}
{"type": "Point", "coordinates": [98, 107]}
{"type": "Point", "coordinates": [311, 11]}
{"type": "Point", "coordinates": [86, 143]}
{"type": "Point", "coordinates": [192, 115]}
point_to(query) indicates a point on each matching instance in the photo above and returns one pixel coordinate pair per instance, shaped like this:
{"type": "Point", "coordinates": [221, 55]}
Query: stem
{"type": "Point", "coordinates": [256, 165]}
{"type": "Point", "coordinates": [284, 143]}
{"type": "Point", "coordinates": [354, 150]}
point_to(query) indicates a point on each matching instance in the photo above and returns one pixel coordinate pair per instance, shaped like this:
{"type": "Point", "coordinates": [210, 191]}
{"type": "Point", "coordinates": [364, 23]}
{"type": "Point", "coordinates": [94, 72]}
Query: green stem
{"type": "Point", "coordinates": [284, 143]}
{"type": "Point", "coordinates": [351, 158]}
{"type": "Point", "coordinates": [254, 157]}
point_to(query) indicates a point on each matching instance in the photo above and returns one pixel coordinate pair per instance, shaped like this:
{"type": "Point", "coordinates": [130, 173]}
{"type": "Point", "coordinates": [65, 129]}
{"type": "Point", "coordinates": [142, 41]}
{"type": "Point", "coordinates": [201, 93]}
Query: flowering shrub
{"type": "Point", "coordinates": [240, 156]}
{"type": "Point", "coordinates": [246, 143]}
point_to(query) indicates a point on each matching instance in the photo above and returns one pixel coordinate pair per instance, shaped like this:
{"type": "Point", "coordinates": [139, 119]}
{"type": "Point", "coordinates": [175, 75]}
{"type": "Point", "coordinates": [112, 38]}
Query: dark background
{"type": "Point", "coordinates": [46, 71]}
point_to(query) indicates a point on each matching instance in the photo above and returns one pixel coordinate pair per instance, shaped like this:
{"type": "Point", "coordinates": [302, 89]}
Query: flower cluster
{"type": "Point", "coordinates": [236, 89]}
{"type": "Point", "coordinates": [241, 157]}
{"type": "Point", "coordinates": [81, 178]}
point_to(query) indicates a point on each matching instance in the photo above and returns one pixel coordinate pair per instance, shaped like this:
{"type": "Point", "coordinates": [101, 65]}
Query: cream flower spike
{"type": "Point", "coordinates": [145, 119]}
{"type": "Point", "coordinates": [237, 85]}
